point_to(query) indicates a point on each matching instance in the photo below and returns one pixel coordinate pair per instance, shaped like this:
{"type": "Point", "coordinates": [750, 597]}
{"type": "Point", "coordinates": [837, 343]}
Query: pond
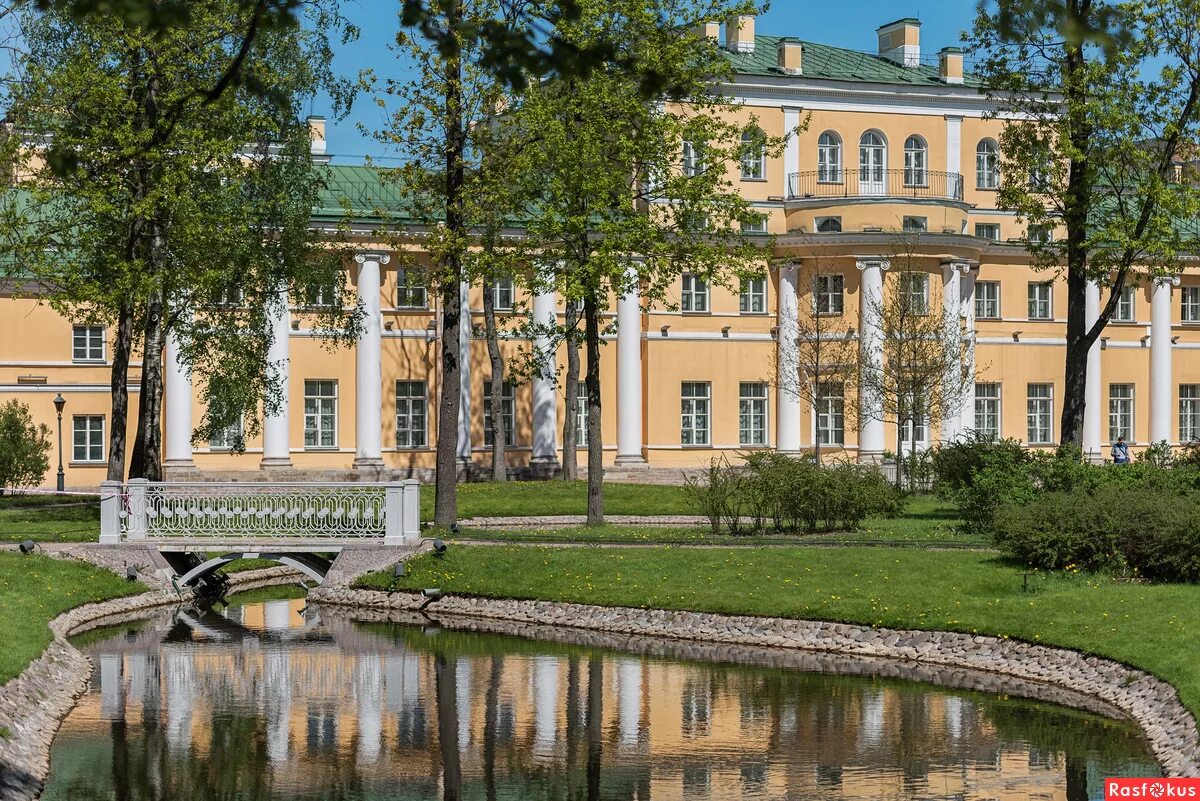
{"type": "Point", "coordinates": [267, 699]}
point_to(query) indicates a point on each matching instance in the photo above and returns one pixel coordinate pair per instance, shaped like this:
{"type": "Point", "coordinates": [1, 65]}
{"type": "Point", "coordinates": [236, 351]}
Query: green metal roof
{"type": "Point", "coordinates": [357, 192]}
{"type": "Point", "coordinates": [836, 63]}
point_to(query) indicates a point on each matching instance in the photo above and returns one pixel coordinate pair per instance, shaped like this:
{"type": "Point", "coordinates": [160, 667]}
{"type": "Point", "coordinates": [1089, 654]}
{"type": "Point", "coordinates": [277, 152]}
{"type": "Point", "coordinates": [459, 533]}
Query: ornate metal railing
{"type": "Point", "coordinates": [833, 183]}
{"type": "Point", "coordinates": [331, 513]}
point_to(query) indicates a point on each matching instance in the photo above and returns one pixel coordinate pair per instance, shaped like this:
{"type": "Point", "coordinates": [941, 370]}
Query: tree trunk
{"type": "Point", "coordinates": [912, 455]}
{"type": "Point", "coordinates": [147, 446]}
{"type": "Point", "coordinates": [570, 468]}
{"type": "Point", "coordinates": [446, 483]}
{"type": "Point", "coordinates": [119, 418]}
{"type": "Point", "coordinates": [499, 463]}
{"type": "Point", "coordinates": [491, 710]}
{"type": "Point", "coordinates": [447, 715]}
{"type": "Point", "coordinates": [1075, 374]}
{"type": "Point", "coordinates": [595, 479]}
{"type": "Point", "coordinates": [595, 725]}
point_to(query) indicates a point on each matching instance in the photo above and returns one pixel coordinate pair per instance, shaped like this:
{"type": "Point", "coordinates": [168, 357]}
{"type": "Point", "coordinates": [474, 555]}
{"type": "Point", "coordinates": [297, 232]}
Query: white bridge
{"type": "Point", "coordinates": [286, 522]}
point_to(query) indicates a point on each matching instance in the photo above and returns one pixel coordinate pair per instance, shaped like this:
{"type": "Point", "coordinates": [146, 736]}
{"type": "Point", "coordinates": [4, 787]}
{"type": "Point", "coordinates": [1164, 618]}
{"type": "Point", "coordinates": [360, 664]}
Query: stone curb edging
{"type": "Point", "coordinates": [34, 703]}
{"type": "Point", "coordinates": [1152, 703]}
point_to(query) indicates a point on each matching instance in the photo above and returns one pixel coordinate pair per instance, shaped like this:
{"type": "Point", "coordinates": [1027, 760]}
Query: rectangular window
{"type": "Point", "coordinates": [695, 293]}
{"type": "Point", "coordinates": [411, 292]}
{"type": "Point", "coordinates": [1039, 412]}
{"type": "Point", "coordinates": [228, 438]}
{"type": "Point", "coordinates": [502, 294]}
{"type": "Point", "coordinates": [752, 414]}
{"type": "Point", "coordinates": [1041, 234]}
{"type": "Point", "coordinates": [1040, 300]}
{"type": "Point", "coordinates": [1191, 304]}
{"type": "Point", "coordinates": [87, 343]}
{"type": "Point", "coordinates": [987, 410]}
{"type": "Point", "coordinates": [320, 413]}
{"type": "Point", "coordinates": [828, 291]}
{"type": "Point", "coordinates": [914, 288]}
{"type": "Point", "coordinates": [1124, 311]}
{"type": "Point", "coordinates": [508, 403]}
{"type": "Point", "coordinates": [319, 295]}
{"type": "Point", "coordinates": [229, 297]}
{"type": "Point", "coordinates": [87, 438]}
{"type": "Point", "coordinates": [916, 224]}
{"type": "Point", "coordinates": [831, 413]}
{"type": "Point", "coordinates": [753, 297]}
{"type": "Point", "coordinates": [1189, 413]}
{"type": "Point", "coordinates": [758, 226]}
{"type": "Point", "coordinates": [989, 231]}
{"type": "Point", "coordinates": [694, 412]}
{"type": "Point", "coordinates": [581, 415]}
{"type": "Point", "coordinates": [1120, 412]}
{"type": "Point", "coordinates": [411, 405]}
{"type": "Point", "coordinates": [987, 299]}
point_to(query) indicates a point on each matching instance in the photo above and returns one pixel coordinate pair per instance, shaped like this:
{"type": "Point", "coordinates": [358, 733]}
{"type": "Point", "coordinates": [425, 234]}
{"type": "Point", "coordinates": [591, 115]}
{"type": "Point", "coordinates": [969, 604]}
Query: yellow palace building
{"type": "Point", "coordinates": [896, 141]}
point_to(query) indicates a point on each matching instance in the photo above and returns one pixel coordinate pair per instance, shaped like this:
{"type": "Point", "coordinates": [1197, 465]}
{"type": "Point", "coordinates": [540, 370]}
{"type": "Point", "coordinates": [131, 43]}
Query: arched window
{"type": "Point", "coordinates": [829, 225]}
{"type": "Point", "coordinates": [916, 162]}
{"type": "Point", "coordinates": [693, 159]}
{"type": "Point", "coordinates": [754, 156]}
{"type": "Point", "coordinates": [872, 162]}
{"type": "Point", "coordinates": [829, 158]}
{"type": "Point", "coordinates": [987, 165]}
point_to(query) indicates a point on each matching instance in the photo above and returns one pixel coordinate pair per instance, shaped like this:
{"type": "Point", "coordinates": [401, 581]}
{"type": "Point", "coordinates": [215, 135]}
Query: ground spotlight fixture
{"type": "Point", "coordinates": [439, 548]}
{"type": "Point", "coordinates": [430, 594]}
{"type": "Point", "coordinates": [131, 572]}
{"type": "Point", "coordinates": [455, 528]}
{"type": "Point", "coordinates": [398, 570]}
{"type": "Point", "coordinates": [27, 546]}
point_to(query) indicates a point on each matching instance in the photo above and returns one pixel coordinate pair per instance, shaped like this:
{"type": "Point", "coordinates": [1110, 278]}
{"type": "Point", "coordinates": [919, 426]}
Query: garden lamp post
{"type": "Point", "coordinates": [59, 403]}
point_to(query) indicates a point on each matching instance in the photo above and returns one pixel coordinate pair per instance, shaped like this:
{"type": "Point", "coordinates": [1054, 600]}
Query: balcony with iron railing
{"type": "Point", "coordinates": [829, 184]}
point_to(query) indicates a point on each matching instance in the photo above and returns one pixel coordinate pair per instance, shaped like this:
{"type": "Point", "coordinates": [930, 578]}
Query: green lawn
{"type": "Point", "coordinates": [49, 518]}
{"type": "Point", "coordinates": [523, 498]}
{"type": "Point", "coordinates": [1153, 627]}
{"type": "Point", "coordinates": [34, 590]}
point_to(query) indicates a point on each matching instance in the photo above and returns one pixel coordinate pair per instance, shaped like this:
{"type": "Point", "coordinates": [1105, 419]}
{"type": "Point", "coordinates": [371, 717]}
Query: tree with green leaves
{"type": "Point", "coordinates": [1101, 103]}
{"type": "Point", "coordinates": [152, 210]}
{"type": "Point", "coordinates": [24, 448]}
{"type": "Point", "coordinates": [615, 208]}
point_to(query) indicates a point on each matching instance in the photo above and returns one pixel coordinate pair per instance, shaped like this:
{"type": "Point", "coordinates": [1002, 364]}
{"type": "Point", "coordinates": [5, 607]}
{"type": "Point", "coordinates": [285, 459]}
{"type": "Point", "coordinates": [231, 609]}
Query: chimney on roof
{"type": "Point", "coordinates": [950, 65]}
{"type": "Point", "coordinates": [739, 34]}
{"type": "Point", "coordinates": [900, 41]}
{"type": "Point", "coordinates": [316, 132]}
{"type": "Point", "coordinates": [709, 30]}
{"type": "Point", "coordinates": [791, 57]}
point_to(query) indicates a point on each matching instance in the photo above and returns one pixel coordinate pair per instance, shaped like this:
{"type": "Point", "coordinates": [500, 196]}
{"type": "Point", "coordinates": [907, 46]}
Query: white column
{"type": "Point", "coordinates": [629, 373]}
{"type": "Point", "coordinates": [1161, 388]}
{"type": "Point", "coordinates": [545, 400]}
{"type": "Point", "coordinates": [462, 694]}
{"type": "Point", "coordinates": [276, 436]}
{"type": "Point", "coordinates": [368, 353]}
{"type": "Point", "coordinates": [951, 307]}
{"type": "Point", "coordinates": [967, 293]}
{"type": "Point", "coordinates": [787, 418]}
{"type": "Point", "coordinates": [791, 151]}
{"type": "Point", "coordinates": [545, 713]}
{"type": "Point", "coordinates": [954, 164]}
{"type": "Point", "coordinates": [870, 427]}
{"type": "Point", "coordinates": [368, 691]}
{"type": "Point", "coordinates": [464, 372]}
{"type": "Point", "coordinates": [629, 698]}
{"type": "Point", "coordinates": [1092, 413]}
{"type": "Point", "coordinates": [179, 407]}
{"type": "Point", "coordinates": [277, 690]}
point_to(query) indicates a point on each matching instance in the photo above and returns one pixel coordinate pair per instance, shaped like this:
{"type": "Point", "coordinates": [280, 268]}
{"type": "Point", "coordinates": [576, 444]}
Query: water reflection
{"type": "Point", "coordinates": [260, 702]}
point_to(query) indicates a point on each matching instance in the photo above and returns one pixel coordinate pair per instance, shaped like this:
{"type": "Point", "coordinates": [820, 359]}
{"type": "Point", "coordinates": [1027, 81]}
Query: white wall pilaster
{"type": "Point", "coordinates": [368, 388]}
{"type": "Point", "coordinates": [967, 293]}
{"type": "Point", "coordinates": [787, 418]}
{"type": "Point", "coordinates": [629, 373]}
{"type": "Point", "coordinates": [1161, 386]}
{"type": "Point", "coordinates": [791, 150]}
{"type": "Point", "coordinates": [954, 165]}
{"type": "Point", "coordinates": [179, 407]}
{"type": "Point", "coordinates": [276, 434]}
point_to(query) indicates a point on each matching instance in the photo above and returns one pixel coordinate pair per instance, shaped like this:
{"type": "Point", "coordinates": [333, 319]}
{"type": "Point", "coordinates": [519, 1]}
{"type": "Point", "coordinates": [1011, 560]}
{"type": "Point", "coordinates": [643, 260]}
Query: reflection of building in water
{"type": "Point", "coordinates": [366, 706]}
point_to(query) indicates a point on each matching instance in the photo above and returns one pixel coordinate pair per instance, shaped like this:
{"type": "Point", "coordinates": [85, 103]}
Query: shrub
{"type": "Point", "coordinates": [24, 447]}
{"type": "Point", "coordinates": [955, 465]}
{"type": "Point", "coordinates": [711, 491]}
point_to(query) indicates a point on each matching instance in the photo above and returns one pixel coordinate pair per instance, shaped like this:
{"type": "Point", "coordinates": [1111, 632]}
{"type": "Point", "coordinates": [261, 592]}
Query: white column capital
{"type": "Point", "coordinates": [379, 258]}
{"type": "Point", "coordinates": [865, 264]}
{"type": "Point", "coordinates": [963, 267]}
{"type": "Point", "coordinates": [1167, 280]}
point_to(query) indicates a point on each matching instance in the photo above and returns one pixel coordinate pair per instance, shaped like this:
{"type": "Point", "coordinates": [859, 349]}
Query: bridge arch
{"type": "Point", "coordinates": [309, 564]}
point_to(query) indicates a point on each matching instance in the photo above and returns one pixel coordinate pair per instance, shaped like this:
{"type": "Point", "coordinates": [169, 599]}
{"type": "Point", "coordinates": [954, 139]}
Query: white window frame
{"type": "Point", "coordinates": [758, 226]}
{"type": "Point", "coordinates": [1189, 413]}
{"type": "Point", "coordinates": [408, 292]}
{"type": "Point", "coordinates": [91, 426]}
{"type": "Point", "coordinates": [829, 158]}
{"type": "Point", "coordinates": [831, 413]}
{"type": "Point", "coordinates": [412, 415]}
{"type": "Point", "coordinates": [1126, 306]}
{"type": "Point", "coordinates": [916, 286]}
{"type": "Point", "coordinates": [916, 162]}
{"type": "Point", "coordinates": [1121, 418]}
{"type": "Point", "coordinates": [318, 296]}
{"type": "Point", "coordinates": [1037, 406]}
{"type": "Point", "coordinates": [88, 343]}
{"type": "Point", "coordinates": [987, 165]}
{"type": "Point", "coordinates": [1040, 234]}
{"type": "Point", "coordinates": [1190, 304]}
{"type": "Point", "coordinates": [503, 294]}
{"type": "Point", "coordinates": [828, 225]}
{"type": "Point", "coordinates": [752, 297]}
{"type": "Point", "coordinates": [695, 414]}
{"type": "Point", "coordinates": [754, 161]}
{"type": "Point", "coordinates": [753, 418]}
{"type": "Point", "coordinates": [872, 159]}
{"type": "Point", "coordinates": [694, 297]}
{"type": "Point", "coordinates": [912, 224]}
{"type": "Point", "coordinates": [988, 400]}
{"type": "Point", "coordinates": [829, 294]}
{"type": "Point", "coordinates": [987, 300]}
{"type": "Point", "coordinates": [990, 228]}
{"type": "Point", "coordinates": [581, 414]}
{"type": "Point", "coordinates": [1038, 304]}
{"type": "Point", "coordinates": [224, 439]}
{"type": "Point", "coordinates": [693, 159]}
{"type": "Point", "coordinates": [320, 413]}
{"type": "Point", "coordinates": [508, 413]}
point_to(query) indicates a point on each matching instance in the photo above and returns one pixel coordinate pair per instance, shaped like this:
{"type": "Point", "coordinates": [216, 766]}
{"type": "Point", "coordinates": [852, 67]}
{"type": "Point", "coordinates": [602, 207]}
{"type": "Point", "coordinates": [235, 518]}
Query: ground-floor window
{"type": "Point", "coordinates": [320, 413]}
{"type": "Point", "coordinates": [581, 414]}
{"type": "Point", "coordinates": [1120, 412]}
{"type": "Point", "coordinates": [831, 413]}
{"type": "Point", "coordinates": [87, 438]}
{"type": "Point", "coordinates": [1039, 408]}
{"type": "Point", "coordinates": [411, 405]}
{"type": "Point", "coordinates": [987, 410]}
{"type": "Point", "coordinates": [508, 397]}
{"type": "Point", "coordinates": [752, 414]}
{"type": "Point", "coordinates": [695, 399]}
{"type": "Point", "coordinates": [1189, 412]}
{"type": "Point", "coordinates": [227, 438]}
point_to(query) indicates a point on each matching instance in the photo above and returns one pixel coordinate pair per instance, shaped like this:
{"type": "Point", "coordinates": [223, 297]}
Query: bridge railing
{"type": "Point", "coordinates": [142, 510]}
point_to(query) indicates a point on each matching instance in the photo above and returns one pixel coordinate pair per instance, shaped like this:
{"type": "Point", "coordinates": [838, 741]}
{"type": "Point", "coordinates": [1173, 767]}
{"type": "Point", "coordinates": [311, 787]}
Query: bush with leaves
{"type": "Point", "coordinates": [955, 464]}
{"type": "Point", "coordinates": [24, 448]}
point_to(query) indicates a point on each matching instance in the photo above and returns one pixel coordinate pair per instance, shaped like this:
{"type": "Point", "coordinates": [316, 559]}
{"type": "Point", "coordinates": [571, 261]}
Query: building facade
{"type": "Point", "coordinates": [889, 146]}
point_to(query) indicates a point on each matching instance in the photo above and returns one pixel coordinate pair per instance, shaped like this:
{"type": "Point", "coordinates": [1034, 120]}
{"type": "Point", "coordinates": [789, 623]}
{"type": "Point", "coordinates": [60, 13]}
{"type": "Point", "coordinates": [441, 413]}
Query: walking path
{"type": "Point", "coordinates": [568, 521]}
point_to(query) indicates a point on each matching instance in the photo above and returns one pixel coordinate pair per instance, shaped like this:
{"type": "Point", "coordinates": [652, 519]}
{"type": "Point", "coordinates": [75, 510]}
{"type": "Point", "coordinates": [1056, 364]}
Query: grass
{"type": "Point", "coordinates": [34, 590]}
{"type": "Point", "coordinates": [1153, 627]}
{"type": "Point", "coordinates": [49, 518]}
{"type": "Point", "coordinates": [529, 498]}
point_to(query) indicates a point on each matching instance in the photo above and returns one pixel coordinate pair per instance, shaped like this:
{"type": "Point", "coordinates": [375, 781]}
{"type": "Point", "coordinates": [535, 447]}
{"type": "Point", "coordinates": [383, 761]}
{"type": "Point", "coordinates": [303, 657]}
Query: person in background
{"type": "Point", "coordinates": [1120, 451]}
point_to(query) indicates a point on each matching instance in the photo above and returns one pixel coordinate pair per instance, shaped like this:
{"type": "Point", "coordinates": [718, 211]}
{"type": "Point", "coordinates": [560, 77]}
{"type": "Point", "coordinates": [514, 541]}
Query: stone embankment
{"type": "Point", "coordinates": [1169, 727]}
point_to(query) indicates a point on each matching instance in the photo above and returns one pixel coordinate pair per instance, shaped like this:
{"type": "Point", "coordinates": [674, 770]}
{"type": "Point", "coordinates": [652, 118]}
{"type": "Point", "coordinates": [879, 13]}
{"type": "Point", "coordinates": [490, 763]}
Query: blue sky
{"type": "Point", "coordinates": [845, 23]}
